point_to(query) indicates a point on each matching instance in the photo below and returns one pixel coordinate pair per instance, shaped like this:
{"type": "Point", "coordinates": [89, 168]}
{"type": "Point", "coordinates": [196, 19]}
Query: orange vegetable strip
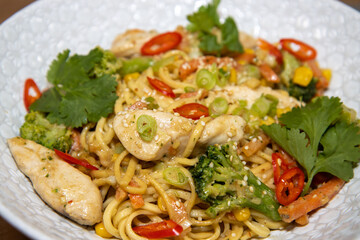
{"type": "Point", "coordinates": [137, 200]}
{"type": "Point", "coordinates": [303, 220]}
{"type": "Point", "coordinates": [315, 199]}
{"type": "Point", "coordinates": [253, 146]}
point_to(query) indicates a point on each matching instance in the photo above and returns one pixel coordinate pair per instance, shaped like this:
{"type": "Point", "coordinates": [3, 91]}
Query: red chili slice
{"type": "Point", "coordinates": [192, 110]}
{"type": "Point", "coordinates": [161, 43]}
{"type": "Point", "coordinates": [164, 229]}
{"type": "Point", "coordinates": [299, 49]}
{"type": "Point", "coordinates": [290, 186]}
{"type": "Point", "coordinates": [162, 87]}
{"type": "Point", "coordinates": [271, 49]}
{"type": "Point", "coordinates": [268, 73]}
{"type": "Point", "coordinates": [70, 159]}
{"type": "Point", "coordinates": [28, 98]}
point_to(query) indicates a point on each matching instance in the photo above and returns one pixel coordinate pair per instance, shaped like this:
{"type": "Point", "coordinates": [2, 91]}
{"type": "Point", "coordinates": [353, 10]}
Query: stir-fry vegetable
{"type": "Point", "coordinates": [31, 93]}
{"type": "Point", "coordinates": [299, 49]}
{"type": "Point", "coordinates": [192, 110]}
{"type": "Point", "coordinates": [70, 159]}
{"type": "Point", "coordinates": [164, 229]}
{"type": "Point", "coordinates": [263, 44]}
{"type": "Point", "coordinates": [175, 176]}
{"type": "Point", "coordinates": [205, 79]}
{"type": "Point", "coordinates": [146, 127]}
{"type": "Point", "coordinates": [161, 43]}
{"type": "Point", "coordinates": [161, 87]}
{"type": "Point", "coordinates": [218, 107]}
{"type": "Point", "coordinates": [290, 186]}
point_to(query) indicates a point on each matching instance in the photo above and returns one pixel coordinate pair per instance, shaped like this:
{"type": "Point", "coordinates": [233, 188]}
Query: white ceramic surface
{"type": "Point", "coordinates": [31, 39]}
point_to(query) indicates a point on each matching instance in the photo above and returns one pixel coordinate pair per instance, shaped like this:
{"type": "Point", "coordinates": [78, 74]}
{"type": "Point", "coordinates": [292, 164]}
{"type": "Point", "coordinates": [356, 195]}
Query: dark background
{"type": "Point", "coordinates": [8, 8]}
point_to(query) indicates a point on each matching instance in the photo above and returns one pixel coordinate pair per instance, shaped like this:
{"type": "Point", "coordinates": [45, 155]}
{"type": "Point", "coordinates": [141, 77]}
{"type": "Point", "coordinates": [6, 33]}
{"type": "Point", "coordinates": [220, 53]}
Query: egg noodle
{"type": "Point", "coordinates": [124, 174]}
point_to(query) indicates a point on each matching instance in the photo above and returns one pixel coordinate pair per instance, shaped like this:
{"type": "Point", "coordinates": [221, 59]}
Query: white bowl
{"type": "Point", "coordinates": [32, 38]}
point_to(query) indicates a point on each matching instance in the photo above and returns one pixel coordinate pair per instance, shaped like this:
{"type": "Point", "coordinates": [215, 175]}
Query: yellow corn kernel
{"type": "Point", "coordinates": [161, 204]}
{"type": "Point", "coordinates": [280, 111]}
{"type": "Point", "coordinates": [327, 73]}
{"type": "Point", "coordinates": [249, 50]}
{"type": "Point", "coordinates": [242, 214]}
{"type": "Point", "coordinates": [233, 77]}
{"type": "Point", "coordinates": [131, 76]}
{"type": "Point", "coordinates": [303, 76]}
{"type": "Point", "coordinates": [101, 230]}
{"type": "Point", "coordinates": [267, 121]}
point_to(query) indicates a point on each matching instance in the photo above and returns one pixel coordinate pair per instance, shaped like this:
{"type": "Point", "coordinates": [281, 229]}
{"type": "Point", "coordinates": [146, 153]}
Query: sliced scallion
{"type": "Point", "coordinates": [175, 176]}
{"type": "Point", "coordinates": [205, 79]}
{"type": "Point", "coordinates": [146, 127]}
{"type": "Point", "coordinates": [218, 107]}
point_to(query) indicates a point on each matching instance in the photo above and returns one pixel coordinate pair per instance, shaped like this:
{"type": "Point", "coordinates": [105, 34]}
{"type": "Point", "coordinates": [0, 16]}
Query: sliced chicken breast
{"type": "Point", "coordinates": [173, 133]}
{"type": "Point", "coordinates": [66, 189]}
{"type": "Point", "coordinates": [129, 43]}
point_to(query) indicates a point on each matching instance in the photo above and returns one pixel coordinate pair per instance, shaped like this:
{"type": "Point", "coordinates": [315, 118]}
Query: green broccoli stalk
{"type": "Point", "coordinates": [108, 64]}
{"type": "Point", "coordinates": [225, 183]}
{"type": "Point", "coordinates": [38, 129]}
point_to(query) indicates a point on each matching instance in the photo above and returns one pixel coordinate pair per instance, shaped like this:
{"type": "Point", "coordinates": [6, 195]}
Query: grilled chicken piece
{"type": "Point", "coordinates": [222, 129]}
{"type": "Point", "coordinates": [173, 133]}
{"type": "Point", "coordinates": [235, 93]}
{"type": "Point", "coordinates": [171, 130]}
{"type": "Point", "coordinates": [66, 189]}
{"type": "Point", "coordinates": [129, 43]}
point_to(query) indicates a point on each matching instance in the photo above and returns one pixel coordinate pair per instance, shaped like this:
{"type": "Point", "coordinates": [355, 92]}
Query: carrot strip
{"type": "Point", "coordinates": [137, 200]}
{"type": "Point", "coordinates": [315, 199]}
{"type": "Point", "coordinates": [255, 145]}
{"type": "Point", "coordinates": [303, 220]}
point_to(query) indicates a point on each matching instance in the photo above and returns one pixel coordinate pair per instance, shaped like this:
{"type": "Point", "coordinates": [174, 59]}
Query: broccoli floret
{"type": "Point", "coordinates": [37, 128]}
{"type": "Point", "coordinates": [225, 183]}
{"type": "Point", "coordinates": [303, 93]}
{"type": "Point", "coordinates": [108, 64]}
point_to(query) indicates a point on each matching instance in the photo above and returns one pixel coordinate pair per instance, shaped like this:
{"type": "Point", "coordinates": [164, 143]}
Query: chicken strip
{"type": "Point", "coordinates": [66, 189]}
{"type": "Point", "coordinates": [171, 129]}
{"type": "Point", "coordinates": [130, 42]}
{"type": "Point", "coordinates": [173, 133]}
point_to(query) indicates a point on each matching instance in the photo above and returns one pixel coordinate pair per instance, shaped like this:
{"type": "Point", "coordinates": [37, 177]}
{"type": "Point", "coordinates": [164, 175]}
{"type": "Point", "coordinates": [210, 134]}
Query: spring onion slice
{"type": "Point", "coordinates": [218, 107]}
{"type": "Point", "coordinates": [146, 127]}
{"type": "Point", "coordinates": [175, 176]}
{"type": "Point", "coordinates": [205, 79]}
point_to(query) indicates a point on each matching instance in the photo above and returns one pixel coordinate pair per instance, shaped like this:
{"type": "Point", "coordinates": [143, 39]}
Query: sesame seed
{"type": "Point", "coordinates": [229, 134]}
{"type": "Point", "coordinates": [176, 114]}
{"type": "Point", "coordinates": [251, 188]}
{"type": "Point", "coordinates": [202, 123]}
{"type": "Point", "coordinates": [254, 139]}
{"type": "Point", "coordinates": [246, 147]}
{"type": "Point", "coordinates": [156, 137]}
{"type": "Point", "coordinates": [245, 178]}
{"type": "Point", "coordinates": [258, 182]}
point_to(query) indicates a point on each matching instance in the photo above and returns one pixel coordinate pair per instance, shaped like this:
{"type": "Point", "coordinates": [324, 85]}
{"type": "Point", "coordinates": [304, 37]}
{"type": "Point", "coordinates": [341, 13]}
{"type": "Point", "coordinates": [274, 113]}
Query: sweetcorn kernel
{"type": "Point", "coordinates": [242, 214]}
{"type": "Point", "coordinates": [303, 76]}
{"type": "Point", "coordinates": [101, 230]}
{"type": "Point", "coordinates": [131, 76]}
{"type": "Point", "coordinates": [327, 73]}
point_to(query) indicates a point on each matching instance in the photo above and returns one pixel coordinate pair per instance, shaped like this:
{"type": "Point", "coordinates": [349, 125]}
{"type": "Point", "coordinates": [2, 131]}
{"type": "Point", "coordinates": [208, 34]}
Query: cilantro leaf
{"type": "Point", "coordinates": [216, 38]}
{"type": "Point", "coordinates": [205, 18]}
{"type": "Point", "coordinates": [230, 36]}
{"type": "Point", "coordinates": [318, 140]}
{"type": "Point", "coordinates": [78, 95]}
{"type": "Point", "coordinates": [340, 152]}
{"type": "Point", "coordinates": [314, 118]}
{"type": "Point", "coordinates": [293, 142]}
